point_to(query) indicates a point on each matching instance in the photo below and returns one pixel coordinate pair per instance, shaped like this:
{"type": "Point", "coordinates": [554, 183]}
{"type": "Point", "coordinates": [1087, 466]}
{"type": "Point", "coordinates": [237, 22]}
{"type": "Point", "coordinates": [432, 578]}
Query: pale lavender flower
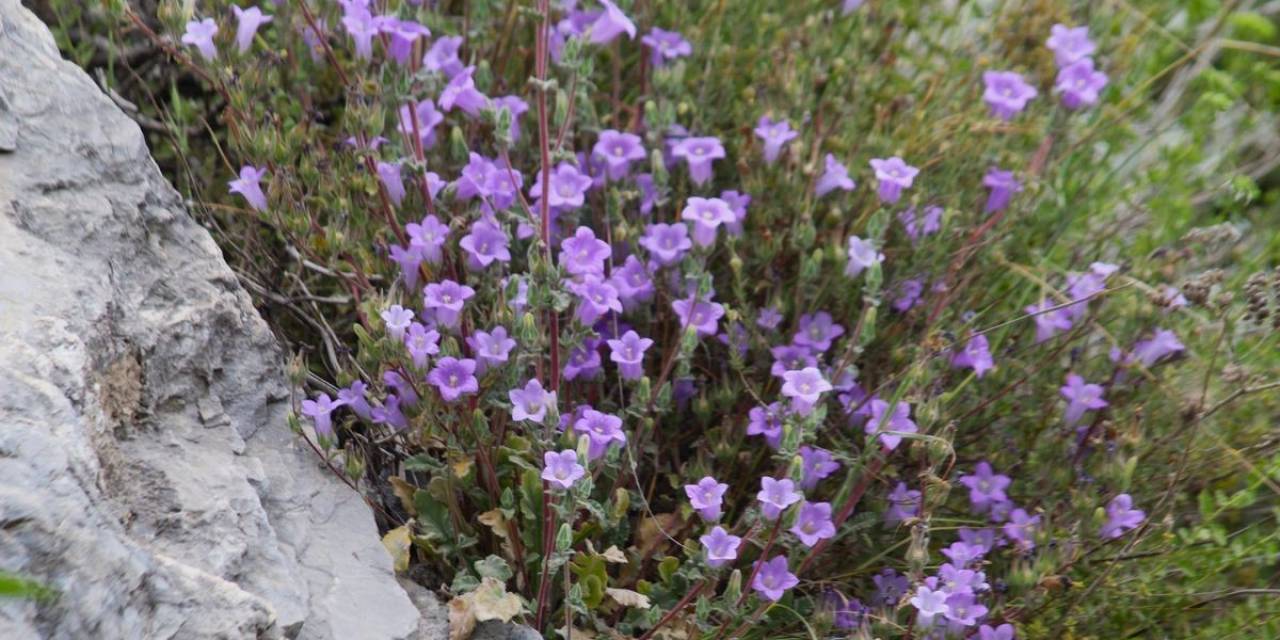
{"type": "Point", "coordinates": [1069, 44]}
{"type": "Point", "coordinates": [929, 604]}
{"type": "Point", "coordinates": [1121, 517]}
{"type": "Point", "coordinates": [454, 378]}
{"type": "Point", "coordinates": [485, 244]}
{"type": "Point", "coordinates": [402, 386]}
{"type": "Point", "coordinates": [707, 214]}
{"type": "Point", "coordinates": [976, 355]}
{"type": "Point", "coordinates": [1161, 345]}
{"type": "Point", "coordinates": [583, 254]}
{"type": "Point", "coordinates": [249, 186]}
{"type": "Point", "coordinates": [354, 397]}
{"type": "Point", "coordinates": [442, 57]}
{"type": "Point", "coordinates": [320, 411]}
{"type": "Point", "coordinates": [1048, 323]}
{"type": "Point", "coordinates": [389, 175]}
{"type": "Point", "coordinates": [962, 554]}
{"type": "Point", "coordinates": [707, 496]}
{"type": "Point", "coordinates": [1171, 298]}
{"type": "Point", "coordinates": [601, 430]}
{"type": "Point", "coordinates": [776, 495]}
{"type": "Point", "coordinates": [862, 255]}
{"type": "Point", "coordinates": [497, 186]}
{"type": "Point", "coordinates": [702, 315]}
{"type": "Point", "coordinates": [396, 319]}
{"type": "Point", "coordinates": [773, 578]}
{"type": "Point", "coordinates": [834, 176]}
{"type": "Point", "coordinates": [400, 36]}
{"type": "Point", "coordinates": [1002, 632]}
{"type": "Point", "coordinates": [428, 238]}
{"type": "Point", "coordinates": [567, 190]}
{"type": "Point", "coordinates": [1080, 84]}
{"type": "Point", "coordinates": [490, 348]}
{"type": "Point", "coordinates": [893, 176]}
{"type": "Point", "coordinates": [1003, 185]}
{"type": "Point", "coordinates": [611, 23]}
{"type": "Point", "coordinates": [817, 332]}
{"type": "Point", "coordinates": [849, 6]}
{"type": "Point", "coordinates": [632, 282]}
{"type": "Point", "coordinates": [665, 46]}
{"type": "Point", "coordinates": [964, 609]}
{"type": "Point", "coordinates": [890, 587]}
{"type": "Point", "coordinates": [1081, 397]}
{"type": "Point", "coordinates": [961, 580]}
{"type": "Point", "coordinates": [766, 421]}
{"type": "Point", "coordinates": [562, 469]}
{"type": "Point", "coordinates": [908, 294]}
{"type": "Point", "coordinates": [985, 539]}
{"type": "Point", "coordinates": [769, 318]}
{"type": "Point", "coordinates": [200, 35]}
{"type": "Point", "coordinates": [667, 243]}
{"type": "Point", "coordinates": [1021, 528]}
{"type": "Point", "coordinates": [805, 388]}
{"type": "Point", "coordinates": [1000, 512]}
{"type": "Point", "coordinates": [1081, 287]}
{"type": "Point", "coordinates": [596, 297]}
{"type": "Point", "coordinates": [428, 119]}
{"type": "Point", "coordinates": [446, 300]}
{"type": "Point", "coordinates": [986, 487]}
{"type": "Point", "coordinates": [721, 546]}
{"type": "Point", "coordinates": [813, 523]}
{"type": "Point", "coordinates": [618, 150]}
{"type": "Point", "coordinates": [816, 463]}
{"type": "Point", "coordinates": [363, 28]}
{"type": "Point", "coordinates": [898, 422]}
{"type": "Point", "coordinates": [461, 93]}
{"type": "Point", "coordinates": [903, 503]}
{"type": "Point", "coordinates": [313, 37]}
{"type": "Point", "coordinates": [648, 193]}
{"type": "Point", "coordinates": [738, 203]}
{"type": "Point", "coordinates": [409, 260]}
{"type": "Point", "coordinates": [774, 135]}
{"type": "Point", "coordinates": [698, 154]}
{"type": "Point", "coordinates": [1006, 93]}
{"type": "Point", "coordinates": [532, 402]}
{"type": "Point", "coordinates": [583, 362]}
{"type": "Point", "coordinates": [929, 223]}
{"type": "Point", "coordinates": [846, 613]}
{"type": "Point", "coordinates": [247, 23]}
{"type": "Point", "coordinates": [628, 353]}
{"type": "Point", "coordinates": [421, 343]}
{"type": "Point", "coordinates": [390, 414]}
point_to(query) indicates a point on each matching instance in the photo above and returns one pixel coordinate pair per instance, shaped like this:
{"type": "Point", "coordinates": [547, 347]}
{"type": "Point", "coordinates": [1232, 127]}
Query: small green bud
{"type": "Point", "coordinates": [458, 149]}
{"type": "Point", "coordinates": [354, 464]}
{"type": "Point", "coordinates": [804, 235]}
{"type": "Point", "coordinates": [528, 331]}
{"type": "Point", "coordinates": [918, 551]}
{"type": "Point", "coordinates": [733, 590]}
{"type": "Point", "coordinates": [564, 538]}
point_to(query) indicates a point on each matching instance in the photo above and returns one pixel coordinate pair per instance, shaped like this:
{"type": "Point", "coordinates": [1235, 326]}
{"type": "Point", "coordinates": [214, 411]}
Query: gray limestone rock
{"type": "Point", "coordinates": [147, 473]}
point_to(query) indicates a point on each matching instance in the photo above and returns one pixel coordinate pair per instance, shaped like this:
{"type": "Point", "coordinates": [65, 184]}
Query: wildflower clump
{"type": "Point", "coordinates": [614, 306]}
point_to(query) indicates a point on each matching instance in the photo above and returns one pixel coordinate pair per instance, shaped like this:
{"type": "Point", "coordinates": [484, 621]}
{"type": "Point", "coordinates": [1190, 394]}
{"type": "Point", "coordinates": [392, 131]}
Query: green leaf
{"type": "Point", "coordinates": [668, 567]}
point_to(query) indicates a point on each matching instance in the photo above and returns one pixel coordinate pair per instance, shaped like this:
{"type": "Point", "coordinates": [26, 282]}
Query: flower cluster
{"type": "Point", "coordinates": [583, 311]}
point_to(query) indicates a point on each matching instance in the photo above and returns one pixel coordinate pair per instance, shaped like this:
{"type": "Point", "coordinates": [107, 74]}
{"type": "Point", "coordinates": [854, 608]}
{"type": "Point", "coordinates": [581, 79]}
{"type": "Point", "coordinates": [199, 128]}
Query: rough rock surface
{"type": "Point", "coordinates": [146, 469]}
